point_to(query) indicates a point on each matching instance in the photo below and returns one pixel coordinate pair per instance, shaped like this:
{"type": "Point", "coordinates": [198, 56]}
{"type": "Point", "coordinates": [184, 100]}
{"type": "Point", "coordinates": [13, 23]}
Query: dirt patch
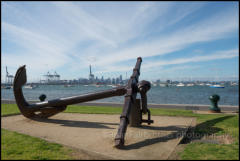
{"type": "Point", "coordinates": [213, 139]}
{"type": "Point", "coordinates": [189, 138]}
{"type": "Point", "coordinates": [192, 137]}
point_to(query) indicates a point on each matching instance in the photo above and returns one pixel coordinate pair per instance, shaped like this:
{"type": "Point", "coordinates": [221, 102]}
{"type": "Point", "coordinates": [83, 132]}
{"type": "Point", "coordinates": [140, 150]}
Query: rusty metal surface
{"type": "Point", "coordinates": [133, 87]}
{"type": "Point", "coordinates": [49, 108]}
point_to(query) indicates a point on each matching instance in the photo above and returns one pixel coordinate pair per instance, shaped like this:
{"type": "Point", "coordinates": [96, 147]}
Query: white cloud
{"type": "Point", "coordinates": [149, 66]}
{"type": "Point", "coordinates": [218, 55]}
{"type": "Point", "coordinates": [69, 33]}
{"type": "Point", "coordinates": [37, 50]}
{"type": "Point", "coordinates": [208, 30]}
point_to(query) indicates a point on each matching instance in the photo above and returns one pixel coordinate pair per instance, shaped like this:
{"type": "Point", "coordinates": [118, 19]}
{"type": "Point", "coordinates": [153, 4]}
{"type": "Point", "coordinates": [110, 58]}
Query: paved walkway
{"type": "Point", "coordinates": [94, 134]}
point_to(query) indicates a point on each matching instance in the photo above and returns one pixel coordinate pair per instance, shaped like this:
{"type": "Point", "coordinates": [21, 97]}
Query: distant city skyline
{"type": "Point", "coordinates": [176, 40]}
{"type": "Point", "coordinates": [56, 77]}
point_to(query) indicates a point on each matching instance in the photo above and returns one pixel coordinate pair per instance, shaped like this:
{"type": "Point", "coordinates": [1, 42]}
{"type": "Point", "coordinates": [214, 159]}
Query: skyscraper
{"type": "Point", "coordinates": [91, 76]}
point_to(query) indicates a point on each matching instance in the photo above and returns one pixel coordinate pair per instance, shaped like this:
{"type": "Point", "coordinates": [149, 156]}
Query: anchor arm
{"type": "Point", "coordinates": [51, 107]}
{"type": "Point", "coordinates": [119, 91]}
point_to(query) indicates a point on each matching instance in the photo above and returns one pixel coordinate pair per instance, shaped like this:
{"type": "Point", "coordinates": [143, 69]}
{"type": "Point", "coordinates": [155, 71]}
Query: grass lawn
{"type": "Point", "coordinates": [217, 124]}
{"type": "Point", "coordinates": [20, 147]}
{"type": "Point", "coordinates": [204, 151]}
{"type": "Point", "coordinates": [9, 109]}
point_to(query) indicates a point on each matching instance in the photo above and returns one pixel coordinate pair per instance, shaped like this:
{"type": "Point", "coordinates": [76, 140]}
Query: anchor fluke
{"type": "Point", "coordinates": [20, 77]}
{"type": "Point", "coordinates": [30, 110]}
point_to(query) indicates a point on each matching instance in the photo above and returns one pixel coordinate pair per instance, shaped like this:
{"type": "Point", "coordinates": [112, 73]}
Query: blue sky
{"type": "Point", "coordinates": [177, 40]}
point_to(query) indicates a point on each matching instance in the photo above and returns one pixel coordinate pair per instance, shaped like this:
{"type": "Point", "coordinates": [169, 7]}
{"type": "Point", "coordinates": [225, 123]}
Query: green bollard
{"type": "Point", "coordinates": [214, 101]}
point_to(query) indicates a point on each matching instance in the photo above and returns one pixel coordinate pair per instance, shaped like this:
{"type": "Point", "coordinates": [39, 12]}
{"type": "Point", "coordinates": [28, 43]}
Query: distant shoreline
{"type": "Point", "coordinates": [150, 105]}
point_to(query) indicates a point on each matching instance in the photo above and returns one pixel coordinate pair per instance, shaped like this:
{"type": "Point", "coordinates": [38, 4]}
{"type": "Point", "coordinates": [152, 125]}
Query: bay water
{"type": "Point", "coordinates": [157, 95]}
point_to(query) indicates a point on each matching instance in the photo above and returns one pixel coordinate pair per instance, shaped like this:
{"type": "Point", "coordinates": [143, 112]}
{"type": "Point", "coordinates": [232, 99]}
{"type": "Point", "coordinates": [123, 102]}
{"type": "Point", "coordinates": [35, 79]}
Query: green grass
{"type": "Point", "coordinates": [19, 146]}
{"type": "Point", "coordinates": [204, 151]}
{"type": "Point", "coordinates": [207, 124]}
{"type": "Point", "coordinates": [9, 109]}
{"type": "Point", "coordinates": [218, 124]}
{"type": "Point", "coordinates": [214, 125]}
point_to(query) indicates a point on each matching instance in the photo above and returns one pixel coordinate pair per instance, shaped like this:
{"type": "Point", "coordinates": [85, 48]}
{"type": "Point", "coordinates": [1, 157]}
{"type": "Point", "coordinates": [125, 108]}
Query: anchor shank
{"type": "Point", "coordinates": [130, 98]}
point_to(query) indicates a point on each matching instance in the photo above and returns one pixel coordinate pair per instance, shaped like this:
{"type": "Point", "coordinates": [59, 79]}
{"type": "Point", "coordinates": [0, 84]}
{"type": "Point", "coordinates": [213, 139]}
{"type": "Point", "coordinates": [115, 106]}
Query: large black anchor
{"type": "Point", "coordinates": [49, 108]}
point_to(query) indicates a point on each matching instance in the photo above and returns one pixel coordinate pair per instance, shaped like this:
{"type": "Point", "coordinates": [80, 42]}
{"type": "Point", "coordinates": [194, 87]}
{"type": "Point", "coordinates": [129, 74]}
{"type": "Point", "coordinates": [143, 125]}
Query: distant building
{"type": "Point", "coordinates": [117, 81]}
{"type": "Point", "coordinates": [108, 81]}
{"type": "Point", "coordinates": [83, 81]}
{"type": "Point", "coordinates": [91, 76]}
{"type": "Point", "coordinates": [113, 81]}
{"type": "Point", "coordinates": [169, 81]}
{"type": "Point", "coordinates": [51, 78]}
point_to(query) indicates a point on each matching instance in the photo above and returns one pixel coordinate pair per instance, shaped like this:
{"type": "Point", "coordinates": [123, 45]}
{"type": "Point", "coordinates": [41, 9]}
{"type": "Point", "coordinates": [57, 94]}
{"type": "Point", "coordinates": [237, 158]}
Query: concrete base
{"type": "Point", "coordinates": [95, 133]}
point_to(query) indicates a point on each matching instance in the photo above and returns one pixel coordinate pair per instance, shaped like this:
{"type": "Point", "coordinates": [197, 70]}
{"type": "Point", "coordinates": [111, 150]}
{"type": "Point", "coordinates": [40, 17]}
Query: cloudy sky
{"type": "Point", "coordinates": [175, 39]}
